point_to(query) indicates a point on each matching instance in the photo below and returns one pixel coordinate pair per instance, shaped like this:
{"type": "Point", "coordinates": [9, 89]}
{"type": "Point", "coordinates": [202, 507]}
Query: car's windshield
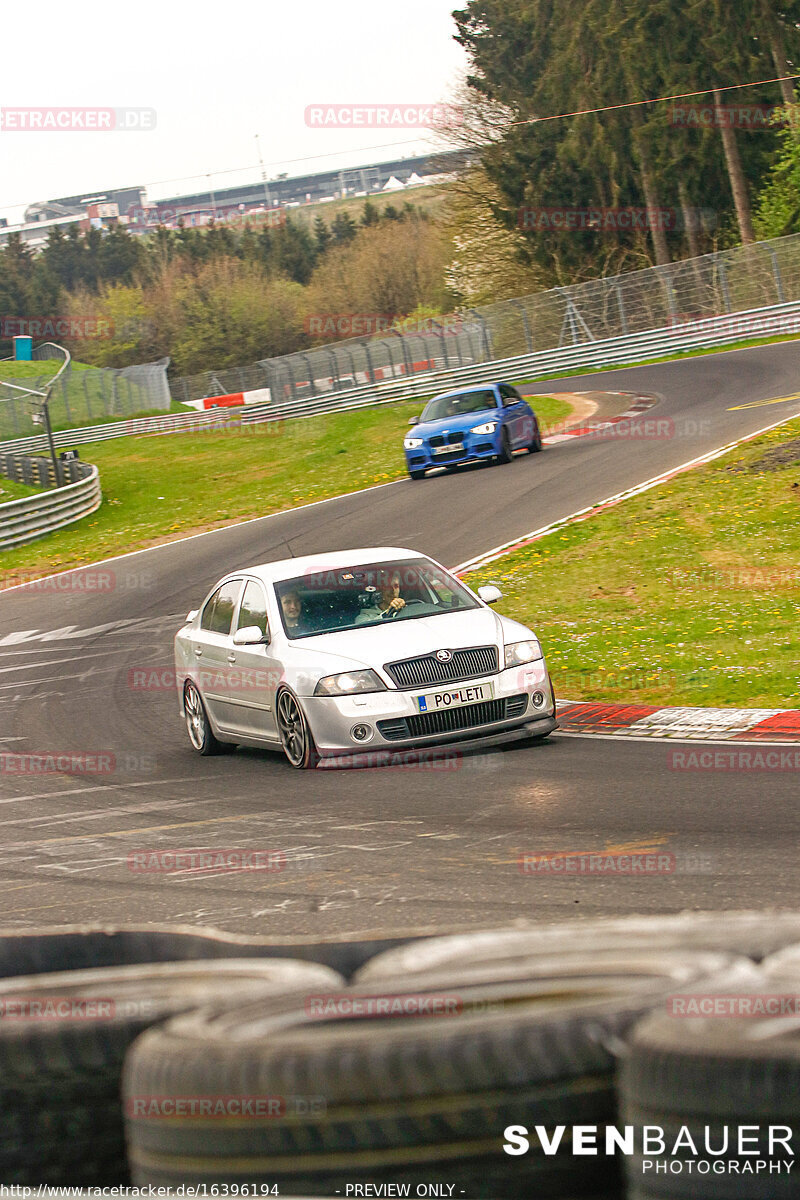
{"type": "Point", "coordinates": [442, 407]}
{"type": "Point", "coordinates": [331, 599]}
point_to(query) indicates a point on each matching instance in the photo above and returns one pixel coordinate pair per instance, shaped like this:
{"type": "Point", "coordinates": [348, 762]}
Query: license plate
{"type": "Point", "coordinates": [472, 693]}
{"type": "Point", "coordinates": [449, 448]}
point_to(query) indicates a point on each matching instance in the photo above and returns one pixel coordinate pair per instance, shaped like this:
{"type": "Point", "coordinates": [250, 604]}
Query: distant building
{"type": "Point", "coordinates": [265, 201]}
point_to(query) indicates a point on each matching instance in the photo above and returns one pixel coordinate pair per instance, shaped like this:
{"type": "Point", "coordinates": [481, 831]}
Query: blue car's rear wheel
{"type": "Point", "coordinates": [536, 441]}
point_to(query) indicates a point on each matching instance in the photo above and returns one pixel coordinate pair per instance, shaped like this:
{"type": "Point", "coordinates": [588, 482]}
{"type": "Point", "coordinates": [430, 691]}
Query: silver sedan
{"type": "Point", "coordinates": [358, 652]}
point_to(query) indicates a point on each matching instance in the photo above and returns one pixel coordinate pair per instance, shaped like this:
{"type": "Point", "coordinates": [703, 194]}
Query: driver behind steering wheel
{"type": "Point", "coordinates": [386, 602]}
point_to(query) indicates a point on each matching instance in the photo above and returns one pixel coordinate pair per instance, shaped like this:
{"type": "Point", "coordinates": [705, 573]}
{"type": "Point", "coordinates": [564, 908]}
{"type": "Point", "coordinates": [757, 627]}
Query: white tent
{"type": "Point", "coordinates": [392, 185]}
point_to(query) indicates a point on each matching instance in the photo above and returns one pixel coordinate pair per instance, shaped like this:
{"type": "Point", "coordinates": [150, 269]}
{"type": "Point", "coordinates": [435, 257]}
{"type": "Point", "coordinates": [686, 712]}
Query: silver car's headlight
{"type": "Point", "coordinates": [412, 443]}
{"type": "Point", "coordinates": [487, 427]}
{"type": "Point", "coordinates": [350, 683]}
{"type": "Point", "coordinates": [519, 653]}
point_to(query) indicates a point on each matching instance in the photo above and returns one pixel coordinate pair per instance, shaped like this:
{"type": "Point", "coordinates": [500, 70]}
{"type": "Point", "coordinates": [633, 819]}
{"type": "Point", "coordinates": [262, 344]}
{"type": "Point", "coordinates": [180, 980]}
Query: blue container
{"type": "Point", "coordinates": [23, 348]}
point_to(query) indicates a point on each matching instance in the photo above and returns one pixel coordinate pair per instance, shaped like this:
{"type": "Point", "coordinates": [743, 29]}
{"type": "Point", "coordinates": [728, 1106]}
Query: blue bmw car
{"type": "Point", "coordinates": [488, 422]}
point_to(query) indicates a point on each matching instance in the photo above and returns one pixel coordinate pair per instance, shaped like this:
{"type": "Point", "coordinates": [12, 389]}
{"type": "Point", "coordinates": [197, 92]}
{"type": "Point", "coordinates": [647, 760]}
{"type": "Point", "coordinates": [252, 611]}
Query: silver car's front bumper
{"type": "Point", "coordinates": [386, 714]}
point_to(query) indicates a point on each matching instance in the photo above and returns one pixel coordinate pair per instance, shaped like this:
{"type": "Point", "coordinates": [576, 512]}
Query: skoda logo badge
{"type": "Point", "coordinates": [444, 655]}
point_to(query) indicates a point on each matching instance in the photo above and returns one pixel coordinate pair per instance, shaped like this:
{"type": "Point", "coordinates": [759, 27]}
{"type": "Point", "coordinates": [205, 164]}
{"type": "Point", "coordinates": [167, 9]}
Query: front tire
{"type": "Point", "coordinates": [198, 725]}
{"type": "Point", "coordinates": [506, 453]}
{"type": "Point", "coordinates": [417, 474]}
{"type": "Point", "coordinates": [296, 739]}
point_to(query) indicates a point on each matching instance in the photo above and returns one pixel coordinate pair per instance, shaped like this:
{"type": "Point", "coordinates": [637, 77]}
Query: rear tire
{"type": "Point", "coordinates": [198, 725]}
{"type": "Point", "coordinates": [536, 445]}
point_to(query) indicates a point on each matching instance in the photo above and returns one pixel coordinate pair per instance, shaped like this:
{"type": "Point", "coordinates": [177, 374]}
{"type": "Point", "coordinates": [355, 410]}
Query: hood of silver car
{"type": "Point", "coordinates": [407, 637]}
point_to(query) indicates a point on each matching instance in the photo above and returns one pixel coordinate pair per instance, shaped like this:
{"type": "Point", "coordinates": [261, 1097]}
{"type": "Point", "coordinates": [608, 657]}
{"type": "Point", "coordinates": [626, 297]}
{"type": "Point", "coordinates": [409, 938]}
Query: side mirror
{"type": "Point", "coordinates": [414, 421]}
{"type": "Point", "coordinates": [251, 635]}
{"type": "Point", "coordinates": [490, 594]}
{"type": "Point", "coordinates": [190, 616]}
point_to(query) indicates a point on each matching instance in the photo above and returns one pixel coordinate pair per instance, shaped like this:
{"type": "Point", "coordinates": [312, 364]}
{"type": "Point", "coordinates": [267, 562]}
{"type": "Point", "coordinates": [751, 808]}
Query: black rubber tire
{"type": "Point", "coordinates": [754, 934]}
{"type": "Point", "coordinates": [714, 1071]}
{"type": "Point", "coordinates": [416, 474]}
{"type": "Point", "coordinates": [537, 445]}
{"type": "Point", "coordinates": [201, 735]}
{"type": "Point", "coordinates": [506, 453]}
{"type": "Point", "coordinates": [62, 1120]}
{"type": "Point", "coordinates": [406, 1099]}
{"type": "Point", "coordinates": [82, 947]}
{"type": "Point", "coordinates": [307, 758]}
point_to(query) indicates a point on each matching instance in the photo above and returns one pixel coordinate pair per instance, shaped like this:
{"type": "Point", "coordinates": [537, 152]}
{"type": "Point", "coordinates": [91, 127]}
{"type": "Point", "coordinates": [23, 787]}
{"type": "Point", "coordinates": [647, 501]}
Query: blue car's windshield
{"type": "Point", "coordinates": [331, 600]}
{"type": "Point", "coordinates": [442, 407]}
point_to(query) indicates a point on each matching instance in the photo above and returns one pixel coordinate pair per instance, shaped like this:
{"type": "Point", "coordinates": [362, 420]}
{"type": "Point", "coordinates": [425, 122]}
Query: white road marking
{"type": "Point", "coordinates": [101, 787]}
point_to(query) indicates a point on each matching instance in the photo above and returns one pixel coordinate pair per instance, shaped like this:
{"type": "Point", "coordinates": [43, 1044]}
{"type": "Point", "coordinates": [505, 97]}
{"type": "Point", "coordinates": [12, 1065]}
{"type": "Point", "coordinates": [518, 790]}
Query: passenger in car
{"type": "Point", "coordinates": [292, 607]}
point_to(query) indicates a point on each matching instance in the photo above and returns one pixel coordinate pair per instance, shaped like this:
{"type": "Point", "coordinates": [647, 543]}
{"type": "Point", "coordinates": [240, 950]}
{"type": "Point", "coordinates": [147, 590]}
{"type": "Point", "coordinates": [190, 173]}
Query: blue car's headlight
{"type": "Point", "coordinates": [413, 443]}
{"type": "Point", "coordinates": [487, 427]}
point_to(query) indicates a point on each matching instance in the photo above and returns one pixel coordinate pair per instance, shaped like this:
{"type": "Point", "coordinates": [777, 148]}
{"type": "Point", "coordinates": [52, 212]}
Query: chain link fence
{"type": "Point", "coordinates": [84, 396]}
{"type": "Point", "coordinates": [729, 281]}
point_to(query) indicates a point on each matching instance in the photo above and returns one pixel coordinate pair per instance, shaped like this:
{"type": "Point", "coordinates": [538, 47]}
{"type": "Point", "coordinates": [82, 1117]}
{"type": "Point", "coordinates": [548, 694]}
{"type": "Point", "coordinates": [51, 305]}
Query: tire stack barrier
{"type": "Point", "coordinates": [410, 1062]}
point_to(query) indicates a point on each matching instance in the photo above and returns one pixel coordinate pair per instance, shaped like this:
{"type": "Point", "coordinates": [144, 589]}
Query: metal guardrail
{"type": "Point", "coordinates": [26, 520]}
{"type": "Point", "coordinates": [631, 348]}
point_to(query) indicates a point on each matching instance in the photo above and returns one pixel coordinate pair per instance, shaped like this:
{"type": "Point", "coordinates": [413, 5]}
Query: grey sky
{"type": "Point", "coordinates": [216, 74]}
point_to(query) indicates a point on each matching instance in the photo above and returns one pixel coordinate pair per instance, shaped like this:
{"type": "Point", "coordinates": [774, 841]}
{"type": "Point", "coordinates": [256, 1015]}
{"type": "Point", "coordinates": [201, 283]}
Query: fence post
{"type": "Point", "coordinates": [526, 325]}
{"type": "Point", "coordinates": [777, 273]}
{"type": "Point", "coordinates": [719, 262]}
{"type": "Point", "coordinates": [310, 370]}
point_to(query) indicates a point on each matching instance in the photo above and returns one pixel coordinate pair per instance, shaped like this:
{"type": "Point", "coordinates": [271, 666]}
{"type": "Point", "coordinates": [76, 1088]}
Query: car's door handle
{"type": "Point", "coordinates": [198, 650]}
{"type": "Point", "coordinates": [231, 658]}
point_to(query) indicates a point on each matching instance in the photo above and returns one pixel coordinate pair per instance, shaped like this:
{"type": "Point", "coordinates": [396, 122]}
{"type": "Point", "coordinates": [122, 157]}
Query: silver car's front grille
{"type": "Point", "coordinates": [428, 669]}
{"type": "Point", "coordinates": [453, 719]}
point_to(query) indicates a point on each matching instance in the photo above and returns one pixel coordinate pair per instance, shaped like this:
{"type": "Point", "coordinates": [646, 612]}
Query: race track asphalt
{"type": "Point", "coordinates": [383, 851]}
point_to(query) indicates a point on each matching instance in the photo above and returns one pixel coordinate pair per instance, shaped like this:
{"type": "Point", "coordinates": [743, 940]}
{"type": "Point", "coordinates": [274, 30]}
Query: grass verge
{"type": "Point", "coordinates": [11, 490]}
{"type": "Point", "coordinates": [158, 488]}
{"type": "Point", "coordinates": [688, 594]}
